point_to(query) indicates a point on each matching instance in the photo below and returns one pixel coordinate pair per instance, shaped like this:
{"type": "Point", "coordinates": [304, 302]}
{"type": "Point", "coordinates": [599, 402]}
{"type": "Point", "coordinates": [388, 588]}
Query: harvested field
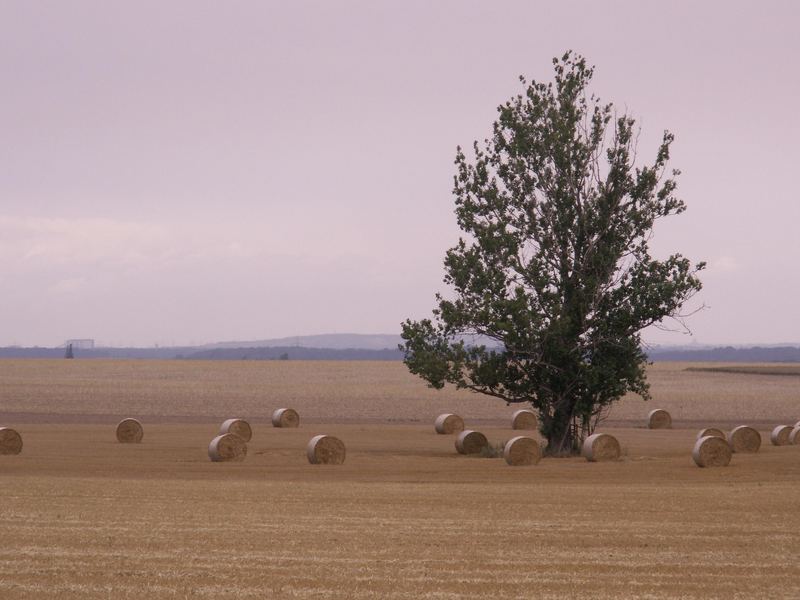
{"type": "Point", "coordinates": [86, 517]}
{"type": "Point", "coordinates": [84, 391]}
{"type": "Point", "coordinates": [104, 391]}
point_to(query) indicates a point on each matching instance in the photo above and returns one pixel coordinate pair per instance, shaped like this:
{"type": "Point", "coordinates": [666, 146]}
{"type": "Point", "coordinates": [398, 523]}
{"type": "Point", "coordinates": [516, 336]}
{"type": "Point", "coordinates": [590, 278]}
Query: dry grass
{"type": "Point", "coordinates": [101, 519]}
{"type": "Point", "coordinates": [86, 517]}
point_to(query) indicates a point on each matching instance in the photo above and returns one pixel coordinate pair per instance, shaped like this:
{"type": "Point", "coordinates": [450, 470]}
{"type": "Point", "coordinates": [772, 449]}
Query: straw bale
{"type": "Point", "coordinates": [659, 419]}
{"type": "Point", "coordinates": [601, 446]}
{"type": "Point", "coordinates": [711, 451]}
{"type": "Point", "coordinates": [227, 447]}
{"type": "Point", "coordinates": [129, 431]}
{"type": "Point", "coordinates": [325, 450]}
{"type": "Point", "coordinates": [522, 450]}
{"type": "Point", "coordinates": [711, 431]}
{"type": "Point", "coordinates": [448, 423]}
{"type": "Point", "coordinates": [780, 435]}
{"type": "Point", "coordinates": [285, 417]}
{"type": "Point", "coordinates": [10, 441]}
{"type": "Point", "coordinates": [794, 437]}
{"type": "Point", "coordinates": [744, 439]}
{"type": "Point", "coordinates": [471, 442]}
{"type": "Point", "coordinates": [238, 427]}
{"type": "Point", "coordinates": [524, 419]}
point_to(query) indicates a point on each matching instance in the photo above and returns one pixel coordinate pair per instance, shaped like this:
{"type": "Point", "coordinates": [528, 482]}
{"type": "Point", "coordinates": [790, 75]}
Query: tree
{"type": "Point", "coordinates": [554, 269]}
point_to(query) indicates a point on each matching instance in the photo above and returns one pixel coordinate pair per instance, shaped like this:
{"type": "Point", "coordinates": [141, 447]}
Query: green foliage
{"type": "Point", "coordinates": [555, 266]}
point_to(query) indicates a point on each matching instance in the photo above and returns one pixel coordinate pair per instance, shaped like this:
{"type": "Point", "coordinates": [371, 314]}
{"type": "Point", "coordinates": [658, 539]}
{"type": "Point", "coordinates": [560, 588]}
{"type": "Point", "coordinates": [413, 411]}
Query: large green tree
{"type": "Point", "coordinates": [554, 270]}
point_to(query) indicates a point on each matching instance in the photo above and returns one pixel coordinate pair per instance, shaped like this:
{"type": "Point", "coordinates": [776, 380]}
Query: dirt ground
{"type": "Point", "coordinates": [82, 516]}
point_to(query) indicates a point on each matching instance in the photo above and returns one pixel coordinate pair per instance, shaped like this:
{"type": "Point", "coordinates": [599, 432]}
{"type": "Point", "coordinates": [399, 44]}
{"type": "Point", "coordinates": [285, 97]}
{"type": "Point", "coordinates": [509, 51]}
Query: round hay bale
{"type": "Point", "coordinates": [325, 450]}
{"type": "Point", "coordinates": [794, 437]}
{"type": "Point", "coordinates": [227, 447]}
{"type": "Point", "coordinates": [780, 435]}
{"type": "Point", "coordinates": [712, 451]}
{"type": "Point", "coordinates": [285, 417]}
{"type": "Point", "coordinates": [238, 427]}
{"type": "Point", "coordinates": [524, 419]}
{"type": "Point", "coordinates": [129, 431]}
{"type": "Point", "coordinates": [601, 446]}
{"type": "Point", "coordinates": [711, 431]}
{"type": "Point", "coordinates": [448, 423]}
{"type": "Point", "coordinates": [659, 419]}
{"type": "Point", "coordinates": [522, 450]}
{"type": "Point", "coordinates": [10, 441]}
{"type": "Point", "coordinates": [744, 439]}
{"type": "Point", "coordinates": [471, 442]}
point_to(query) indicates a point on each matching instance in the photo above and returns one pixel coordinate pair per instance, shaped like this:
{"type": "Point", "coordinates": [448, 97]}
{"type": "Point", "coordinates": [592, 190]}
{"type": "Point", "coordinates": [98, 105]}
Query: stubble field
{"type": "Point", "coordinates": [82, 516]}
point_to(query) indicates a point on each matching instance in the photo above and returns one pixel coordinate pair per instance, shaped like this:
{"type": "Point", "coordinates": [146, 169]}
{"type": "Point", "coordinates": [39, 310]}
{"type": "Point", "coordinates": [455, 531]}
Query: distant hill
{"type": "Point", "coordinates": [337, 341]}
{"type": "Point", "coordinates": [294, 353]}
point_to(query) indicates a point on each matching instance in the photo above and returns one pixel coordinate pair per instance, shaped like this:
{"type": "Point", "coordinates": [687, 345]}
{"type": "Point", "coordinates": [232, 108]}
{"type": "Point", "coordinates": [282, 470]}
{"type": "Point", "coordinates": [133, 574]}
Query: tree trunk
{"type": "Point", "coordinates": [558, 430]}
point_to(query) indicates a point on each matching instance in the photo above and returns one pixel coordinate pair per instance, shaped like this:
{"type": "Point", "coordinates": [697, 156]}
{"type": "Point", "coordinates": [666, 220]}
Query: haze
{"type": "Point", "coordinates": [188, 172]}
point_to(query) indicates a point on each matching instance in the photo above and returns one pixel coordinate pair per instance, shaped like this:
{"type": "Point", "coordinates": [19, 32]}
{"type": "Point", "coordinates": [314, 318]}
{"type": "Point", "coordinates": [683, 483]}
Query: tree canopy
{"type": "Point", "coordinates": [554, 268]}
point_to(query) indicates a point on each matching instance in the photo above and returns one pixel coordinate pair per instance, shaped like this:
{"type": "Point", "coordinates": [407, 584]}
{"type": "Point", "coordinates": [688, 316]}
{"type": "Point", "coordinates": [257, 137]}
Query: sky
{"type": "Point", "coordinates": [186, 172]}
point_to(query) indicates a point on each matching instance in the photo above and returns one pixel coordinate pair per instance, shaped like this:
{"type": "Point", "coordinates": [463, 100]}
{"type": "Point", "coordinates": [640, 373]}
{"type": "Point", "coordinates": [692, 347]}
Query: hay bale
{"type": "Point", "coordinates": [471, 442]}
{"type": "Point", "coordinates": [227, 447]}
{"type": "Point", "coordinates": [712, 451]}
{"type": "Point", "coordinates": [129, 431]}
{"type": "Point", "coordinates": [285, 417]}
{"type": "Point", "coordinates": [325, 450]}
{"type": "Point", "coordinates": [659, 419]}
{"type": "Point", "coordinates": [10, 441]}
{"type": "Point", "coordinates": [794, 436]}
{"type": "Point", "coordinates": [601, 446]}
{"type": "Point", "coordinates": [744, 439]}
{"type": "Point", "coordinates": [522, 450]}
{"type": "Point", "coordinates": [780, 435]}
{"type": "Point", "coordinates": [448, 423]}
{"type": "Point", "coordinates": [524, 419]}
{"type": "Point", "coordinates": [238, 427]}
{"type": "Point", "coordinates": [711, 431]}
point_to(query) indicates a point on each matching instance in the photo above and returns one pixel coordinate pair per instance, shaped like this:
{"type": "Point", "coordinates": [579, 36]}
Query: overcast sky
{"type": "Point", "coordinates": [186, 172]}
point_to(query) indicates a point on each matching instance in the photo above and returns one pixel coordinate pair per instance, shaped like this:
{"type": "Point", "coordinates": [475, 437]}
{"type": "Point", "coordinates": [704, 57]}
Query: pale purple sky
{"type": "Point", "coordinates": [186, 172]}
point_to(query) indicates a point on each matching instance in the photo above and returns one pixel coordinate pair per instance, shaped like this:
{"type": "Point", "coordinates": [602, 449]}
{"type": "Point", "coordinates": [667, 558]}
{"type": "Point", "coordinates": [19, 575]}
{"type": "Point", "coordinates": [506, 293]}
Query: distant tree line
{"type": "Point", "coordinates": [753, 354]}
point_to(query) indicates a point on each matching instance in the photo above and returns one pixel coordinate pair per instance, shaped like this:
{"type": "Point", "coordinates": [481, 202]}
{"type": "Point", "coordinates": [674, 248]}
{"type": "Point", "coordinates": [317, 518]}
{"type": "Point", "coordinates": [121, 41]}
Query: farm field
{"type": "Point", "coordinates": [82, 516]}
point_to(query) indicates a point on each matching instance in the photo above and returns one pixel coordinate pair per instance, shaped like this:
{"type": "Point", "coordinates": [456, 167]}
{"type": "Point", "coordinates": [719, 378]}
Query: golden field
{"type": "Point", "coordinates": [82, 516]}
